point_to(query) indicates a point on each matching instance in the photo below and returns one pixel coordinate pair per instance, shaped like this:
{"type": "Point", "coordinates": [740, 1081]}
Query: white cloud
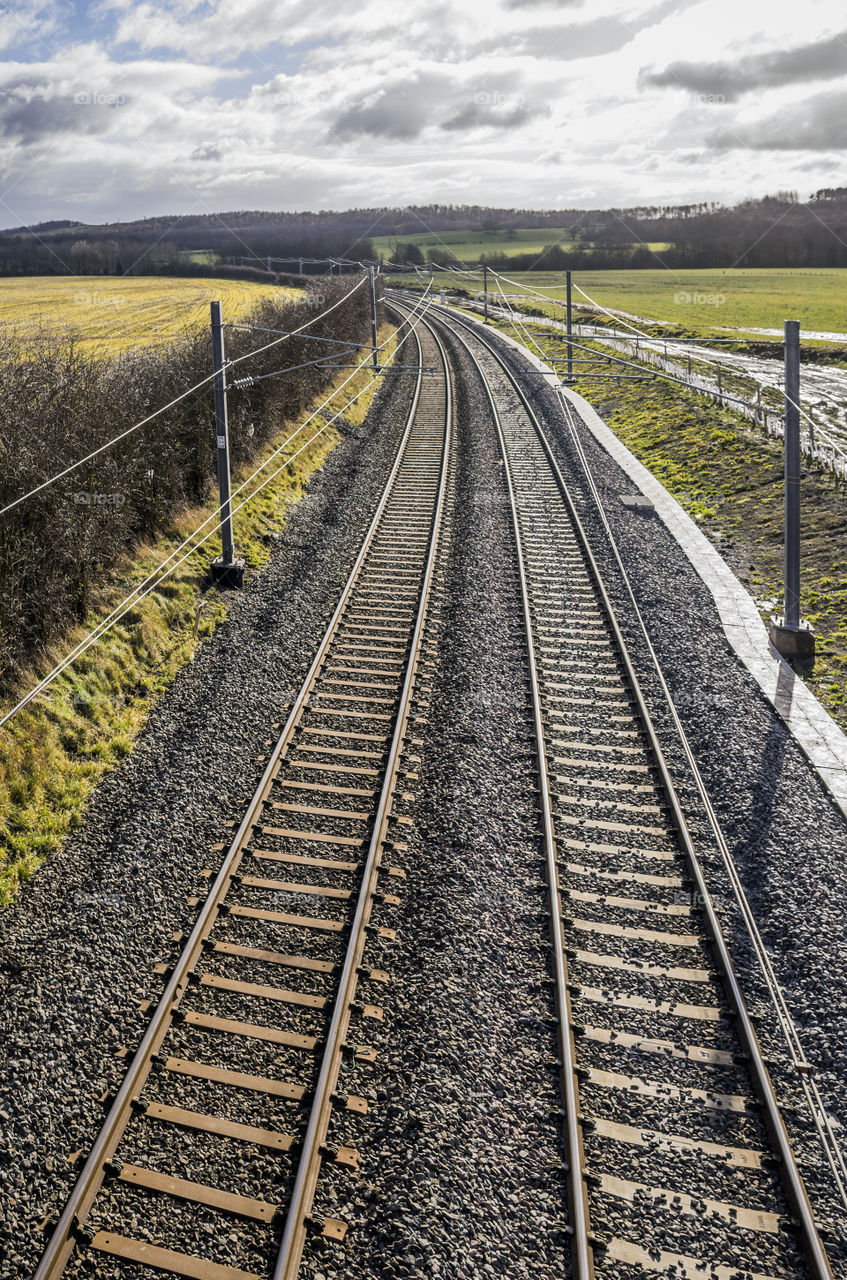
{"type": "Point", "coordinates": [323, 104]}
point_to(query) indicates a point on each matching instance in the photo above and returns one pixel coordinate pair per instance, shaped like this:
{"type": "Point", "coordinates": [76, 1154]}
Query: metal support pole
{"type": "Point", "coordinates": [226, 571]}
{"type": "Point", "coordinates": [689, 366]}
{"type": "Point", "coordinates": [792, 640]}
{"type": "Point", "coordinates": [373, 315]}
{"type": "Point", "coordinates": [720, 386]}
{"type": "Point", "coordinates": [792, 473]}
{"type": "Point", "coordinates": [569, 310]}
{"type": "Point", "coordinates": [485, 291]}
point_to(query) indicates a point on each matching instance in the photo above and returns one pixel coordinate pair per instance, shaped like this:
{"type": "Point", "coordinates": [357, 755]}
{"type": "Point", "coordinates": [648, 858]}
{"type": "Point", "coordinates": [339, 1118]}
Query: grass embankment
{"type": "Point", "coordinates": [55, 751]}
{"type": "Point", "coordinates": [729, 477]}
{"type": "Point", "coordinates": [111, 314]}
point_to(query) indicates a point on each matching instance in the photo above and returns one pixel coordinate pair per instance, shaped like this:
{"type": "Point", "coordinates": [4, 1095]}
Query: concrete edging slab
{"type": "Point", "coordinates": [822, 741]}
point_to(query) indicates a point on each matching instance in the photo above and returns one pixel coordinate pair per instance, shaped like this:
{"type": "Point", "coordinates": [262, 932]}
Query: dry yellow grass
{"type": "Point", "coordinates": [110, 314]}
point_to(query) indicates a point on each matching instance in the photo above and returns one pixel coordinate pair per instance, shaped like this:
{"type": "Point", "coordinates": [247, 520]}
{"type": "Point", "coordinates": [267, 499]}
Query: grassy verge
{"type": "Point", "coordinates": [729, 478]}
{"type": "Point", "coordinates": [55, 751]}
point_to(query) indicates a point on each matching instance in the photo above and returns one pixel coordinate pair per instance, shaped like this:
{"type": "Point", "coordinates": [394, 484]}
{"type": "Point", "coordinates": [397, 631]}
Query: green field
{"type": "Point", "coordinates": [110, 314]}
{"type": "Point", "coordinates": [469, 246]}
{"type": "Point", "coordinates": [754, 298]}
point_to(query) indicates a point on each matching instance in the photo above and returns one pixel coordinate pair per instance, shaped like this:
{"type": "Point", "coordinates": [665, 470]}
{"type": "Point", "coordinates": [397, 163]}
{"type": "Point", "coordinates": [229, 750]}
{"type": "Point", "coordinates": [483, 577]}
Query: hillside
{"type": "Point", "coordinates": [775, 231]}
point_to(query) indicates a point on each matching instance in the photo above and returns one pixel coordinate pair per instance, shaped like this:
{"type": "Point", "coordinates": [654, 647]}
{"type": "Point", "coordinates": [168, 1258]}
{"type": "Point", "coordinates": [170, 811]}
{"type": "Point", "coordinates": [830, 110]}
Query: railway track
{"type": "Point", "coordinates": [677, 1157]}
{"type": "Point", "coordinates": [209, 1159]}
{"type": "Point", "coordinates": [214, 1151]}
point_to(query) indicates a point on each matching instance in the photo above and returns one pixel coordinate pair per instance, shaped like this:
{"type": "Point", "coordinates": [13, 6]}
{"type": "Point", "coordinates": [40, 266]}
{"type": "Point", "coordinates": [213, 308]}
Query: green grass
{"type": "Point", "coordinates": [208, 257]}
{"type": "Point", "coordinates": [468, 246]}
{"type": "Point", "coordinates": [729, 477]}
{"type": "Point", "coordinates": [739, 298]}
{"type": "Point", "coordinates": [55, 751]}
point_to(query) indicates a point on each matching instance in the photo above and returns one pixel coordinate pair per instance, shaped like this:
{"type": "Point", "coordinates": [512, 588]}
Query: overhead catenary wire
{"type": "Point", "coordinates": [829, 1142]}
{"type": "Point", "coordinates": [824, 436]}
{"type": "Point", "coordinates": [74, 466]}
{"type": "Point", "coordinates": [835, 1155]}
{"type": "Point", "coordinates": [678, 342]}
{"type": "Point", "coordinates": [171, 563]}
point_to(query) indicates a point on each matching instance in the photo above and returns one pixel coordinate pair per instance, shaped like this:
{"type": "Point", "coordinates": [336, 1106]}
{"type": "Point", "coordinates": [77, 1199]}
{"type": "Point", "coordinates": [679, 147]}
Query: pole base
{"type": "Point", "coordinates": [225, 575]}
{"type": "Point", "coordinates": [794, 643]}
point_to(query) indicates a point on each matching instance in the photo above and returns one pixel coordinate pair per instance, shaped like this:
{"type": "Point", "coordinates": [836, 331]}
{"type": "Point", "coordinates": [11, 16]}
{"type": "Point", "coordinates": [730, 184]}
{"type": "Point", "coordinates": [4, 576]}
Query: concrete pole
{"type": "Point", "coordinates": [373, 315]}
{"type": "Point", "coordinates": [792, 640]}
{"type": "Point", "coordinates": [226, 571]}
{"type": "Point", "coordinates": [792, 473]}
{"type": "Point", "coordinates": [569, 309]}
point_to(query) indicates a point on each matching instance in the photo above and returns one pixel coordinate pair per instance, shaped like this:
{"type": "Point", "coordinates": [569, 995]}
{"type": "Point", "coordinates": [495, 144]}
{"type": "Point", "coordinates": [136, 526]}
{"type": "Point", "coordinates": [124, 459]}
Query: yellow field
{"type": "Point", "coordinates": [110, 314]}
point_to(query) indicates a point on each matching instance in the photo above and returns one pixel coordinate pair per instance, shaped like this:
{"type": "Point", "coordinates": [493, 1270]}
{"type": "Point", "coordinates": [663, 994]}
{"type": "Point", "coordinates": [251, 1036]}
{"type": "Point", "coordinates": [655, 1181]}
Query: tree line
{"type": "Point", "coordinates": [775, 231]}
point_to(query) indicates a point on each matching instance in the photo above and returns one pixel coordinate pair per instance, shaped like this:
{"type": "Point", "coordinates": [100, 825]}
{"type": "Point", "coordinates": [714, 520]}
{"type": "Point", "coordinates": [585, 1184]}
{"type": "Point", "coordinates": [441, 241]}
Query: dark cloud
{"type": "Point", "coordinates": [399, 111]}
{"type": "Point", "coordinates": [821, 60]}
{"type": "Point", "coordinates": [206, 151]}
{"type": "Point", "coordinates": [483, 115]}
{"type": "Point", "coordinates": [30, 112]}
{"type": "Point", "coordinates": [386, 118]}
{"type": "Point", "coordinates": [581, 39]}
{"type": "Point", "coordinates": [820, 124]}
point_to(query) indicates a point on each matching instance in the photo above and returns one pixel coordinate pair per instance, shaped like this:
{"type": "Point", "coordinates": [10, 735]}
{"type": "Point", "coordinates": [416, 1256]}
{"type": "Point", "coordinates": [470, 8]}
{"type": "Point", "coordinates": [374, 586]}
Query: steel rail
{"type": "Point", "coordinates": [582, 1253]}
{"type": "Point", "coordinates": [64, 1237]}
{"type": "Point", "coordinates": [792, 1180]}
{"type": "Point", "coordinates": [300, 1203]}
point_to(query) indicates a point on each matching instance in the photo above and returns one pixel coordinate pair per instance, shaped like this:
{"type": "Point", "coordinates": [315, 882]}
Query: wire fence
{"type": "Point", "coordinates": [816, 442]}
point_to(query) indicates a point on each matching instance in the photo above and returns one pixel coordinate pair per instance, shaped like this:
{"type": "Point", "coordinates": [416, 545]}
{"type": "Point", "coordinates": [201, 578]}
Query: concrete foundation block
{"type": "Point", "coordinates": [227, 576]}
{"type": "Point", "coordinates": [794, 643]}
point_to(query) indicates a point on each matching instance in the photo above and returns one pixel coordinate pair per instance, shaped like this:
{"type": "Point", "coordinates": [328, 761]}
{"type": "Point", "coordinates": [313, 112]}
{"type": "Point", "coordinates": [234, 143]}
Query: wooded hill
{"type": "Point", "coordinates": [775, 231]}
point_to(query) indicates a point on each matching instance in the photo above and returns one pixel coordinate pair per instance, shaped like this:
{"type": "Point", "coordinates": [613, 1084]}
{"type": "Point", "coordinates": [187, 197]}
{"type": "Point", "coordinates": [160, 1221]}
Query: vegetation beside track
{"type": "Point", "coordinates": [729, 477]}
{"type": "Point", "coordinates": [55, 751]}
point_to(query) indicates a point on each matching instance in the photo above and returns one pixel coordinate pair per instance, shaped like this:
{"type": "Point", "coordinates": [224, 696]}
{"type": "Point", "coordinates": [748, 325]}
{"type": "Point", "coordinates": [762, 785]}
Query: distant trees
{"type": "Point", "coordinates": [830, 193]}
{"type": "Point", "coordinates": [776, 230]}
{"type": "Point", "coordinates": [407, 253]}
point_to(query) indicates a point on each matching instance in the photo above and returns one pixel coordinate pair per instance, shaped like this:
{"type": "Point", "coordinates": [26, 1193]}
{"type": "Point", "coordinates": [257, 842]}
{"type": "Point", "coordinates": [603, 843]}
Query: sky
{"type": "Point", "coordinates": [116, 109]}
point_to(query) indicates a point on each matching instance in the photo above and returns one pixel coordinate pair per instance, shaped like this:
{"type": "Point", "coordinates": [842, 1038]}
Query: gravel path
{"type": "Point", "coordinates": [787, 839]}
{"type": "Point", "coordinates": [77, 949]}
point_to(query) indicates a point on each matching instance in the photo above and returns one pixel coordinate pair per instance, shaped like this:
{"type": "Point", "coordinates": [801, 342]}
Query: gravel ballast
{"type": "Point", "coordinates": [461, 1156]}
{"type": "Point", "coordinates": [787, 839]}
{"type": "Point", "coordinates": [79, 945]}
{"type": "Point", "coordinates": [460, 1173]}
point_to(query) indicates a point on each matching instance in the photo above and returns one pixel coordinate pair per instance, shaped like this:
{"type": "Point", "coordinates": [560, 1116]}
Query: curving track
{"type": "Point", "coordinates": [231, 1098]}
{"type": "Point", "coordinates": [678, 1159]}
